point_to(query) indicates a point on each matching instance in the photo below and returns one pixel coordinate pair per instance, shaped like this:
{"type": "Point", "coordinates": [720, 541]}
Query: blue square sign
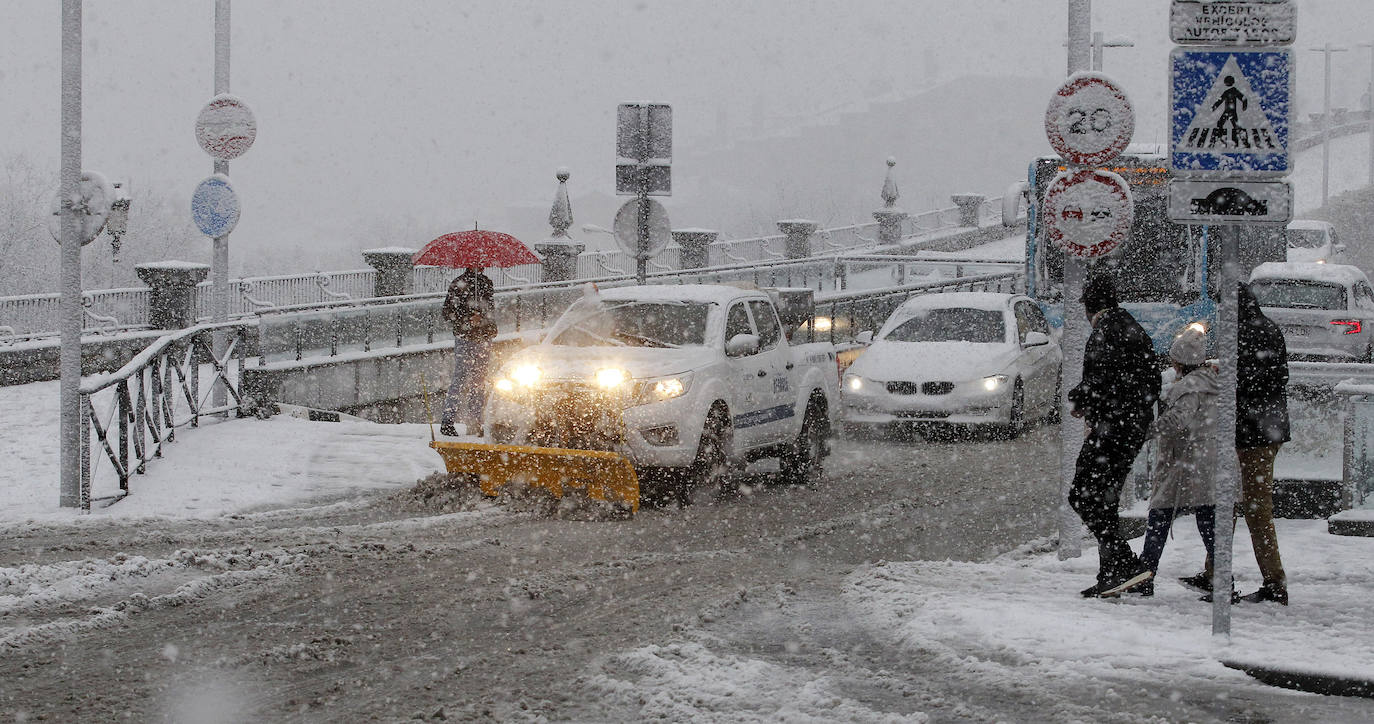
{"type": "Point", "coordinates": [1231, 112]}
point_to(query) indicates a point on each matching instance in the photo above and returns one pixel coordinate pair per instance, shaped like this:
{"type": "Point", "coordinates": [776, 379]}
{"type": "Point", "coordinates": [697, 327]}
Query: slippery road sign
{"type": "Point", "coordinates": [1232, 111]}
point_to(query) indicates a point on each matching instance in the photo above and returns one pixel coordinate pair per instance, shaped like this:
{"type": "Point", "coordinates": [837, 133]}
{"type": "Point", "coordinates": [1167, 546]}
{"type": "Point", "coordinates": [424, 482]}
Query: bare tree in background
{"type": "Point", "coordinates": [28, 255]}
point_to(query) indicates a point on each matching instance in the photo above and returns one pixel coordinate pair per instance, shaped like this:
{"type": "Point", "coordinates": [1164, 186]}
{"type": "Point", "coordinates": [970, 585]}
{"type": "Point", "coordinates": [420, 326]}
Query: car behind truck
{"type": "Point", "coordinates": [685, 382]}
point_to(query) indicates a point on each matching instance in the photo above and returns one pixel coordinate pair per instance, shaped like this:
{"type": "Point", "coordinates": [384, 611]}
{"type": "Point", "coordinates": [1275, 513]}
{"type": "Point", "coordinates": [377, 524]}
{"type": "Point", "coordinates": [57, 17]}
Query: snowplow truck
{"type": "Point", "coordinates": [669, 386]}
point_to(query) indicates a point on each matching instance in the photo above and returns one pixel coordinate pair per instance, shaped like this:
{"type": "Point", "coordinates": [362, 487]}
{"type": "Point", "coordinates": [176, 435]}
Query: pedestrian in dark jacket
{"type": "Point", "coordinates": [1116, 398]}
{"type": "Point", "coordinates": [1261, 428]}
{"type": "Point", "coordinates": [470, 309]}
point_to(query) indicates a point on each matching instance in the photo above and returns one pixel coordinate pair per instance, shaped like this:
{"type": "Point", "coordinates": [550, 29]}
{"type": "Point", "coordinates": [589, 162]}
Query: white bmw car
{"type": "Point", "coordinates": [962, 358]}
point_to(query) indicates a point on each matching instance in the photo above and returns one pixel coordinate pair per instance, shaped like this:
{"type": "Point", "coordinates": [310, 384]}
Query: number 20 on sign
{"type": "Point", "coordinates": [1089, 120]}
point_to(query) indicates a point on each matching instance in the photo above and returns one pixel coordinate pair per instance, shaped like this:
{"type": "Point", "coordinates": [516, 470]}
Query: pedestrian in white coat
{"type": "Point", "coordinates": [1185, 435]}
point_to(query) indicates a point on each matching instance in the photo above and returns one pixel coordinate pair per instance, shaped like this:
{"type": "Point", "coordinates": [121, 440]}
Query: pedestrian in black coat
{"type": "Point", "coordinates": [1261, 428]}
{"type": "Point", "coordinates": [1120, 386]}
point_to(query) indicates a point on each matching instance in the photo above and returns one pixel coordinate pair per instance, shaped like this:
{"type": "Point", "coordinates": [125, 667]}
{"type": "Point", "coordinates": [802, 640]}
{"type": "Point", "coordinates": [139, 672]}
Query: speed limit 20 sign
{"type": "Point", "coordinates": [1089, 120]}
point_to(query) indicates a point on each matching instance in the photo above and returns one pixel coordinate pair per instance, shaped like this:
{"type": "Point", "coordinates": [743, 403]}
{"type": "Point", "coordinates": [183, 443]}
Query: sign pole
{"type": "Point", "coordinates": [69, 390]}
{"type": "Point", "coordinates": [1075, 337]}
{"type": "Point", "coordinates": [642, 222]}
{"type": "Point", "coordinates": [1228, 330]}
{"type": "Point", "coordinates": [219, 284]}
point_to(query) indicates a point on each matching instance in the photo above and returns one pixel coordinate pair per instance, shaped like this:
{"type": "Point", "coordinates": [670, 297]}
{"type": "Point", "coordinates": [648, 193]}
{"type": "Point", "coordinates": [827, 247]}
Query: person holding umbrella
{"type": "Point", "coordinates": [470, 309]}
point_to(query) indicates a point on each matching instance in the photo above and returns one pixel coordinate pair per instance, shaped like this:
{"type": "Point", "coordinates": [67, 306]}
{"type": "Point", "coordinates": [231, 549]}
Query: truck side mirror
{"type": "Point", "coordinates": [742, 345]}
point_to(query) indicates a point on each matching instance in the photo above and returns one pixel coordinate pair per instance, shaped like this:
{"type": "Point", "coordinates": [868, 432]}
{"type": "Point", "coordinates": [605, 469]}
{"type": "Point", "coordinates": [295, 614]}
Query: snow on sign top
{"type": "Point", "coordinates": [1231, 112]}
{"type": "Point", "coordinates": [226, 127]}
{"type": "Point", "coordinates": [1089, 119]}
{"type": "Point", "coordinates": [1088, 213]}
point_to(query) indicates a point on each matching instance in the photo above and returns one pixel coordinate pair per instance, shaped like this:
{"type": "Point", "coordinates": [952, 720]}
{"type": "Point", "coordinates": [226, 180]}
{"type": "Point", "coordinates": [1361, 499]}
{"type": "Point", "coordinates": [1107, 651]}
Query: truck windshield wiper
{"type": "Point", "coordinates": [650, 341]}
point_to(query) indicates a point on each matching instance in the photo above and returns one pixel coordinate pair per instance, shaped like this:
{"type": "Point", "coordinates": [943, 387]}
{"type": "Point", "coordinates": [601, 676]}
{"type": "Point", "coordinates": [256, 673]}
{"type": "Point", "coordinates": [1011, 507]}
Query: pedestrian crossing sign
{"type": "Point", "coordinates": [1231, 112]}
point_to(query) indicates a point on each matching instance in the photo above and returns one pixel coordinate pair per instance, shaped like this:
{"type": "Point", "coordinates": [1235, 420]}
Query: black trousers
{"type": "Point", "coordinates": [1103, 463]}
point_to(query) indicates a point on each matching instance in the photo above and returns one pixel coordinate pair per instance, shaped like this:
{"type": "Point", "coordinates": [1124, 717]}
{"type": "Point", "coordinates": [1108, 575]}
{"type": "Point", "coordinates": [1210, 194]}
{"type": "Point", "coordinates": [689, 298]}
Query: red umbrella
{"type": "Point", "coordinates": [478, 247]}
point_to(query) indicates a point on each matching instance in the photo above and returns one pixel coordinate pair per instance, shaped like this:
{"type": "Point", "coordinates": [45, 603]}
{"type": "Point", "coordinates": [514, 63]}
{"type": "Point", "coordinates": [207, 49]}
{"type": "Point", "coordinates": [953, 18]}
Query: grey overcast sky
{"type": "Point", "coordinates": [426, 115]}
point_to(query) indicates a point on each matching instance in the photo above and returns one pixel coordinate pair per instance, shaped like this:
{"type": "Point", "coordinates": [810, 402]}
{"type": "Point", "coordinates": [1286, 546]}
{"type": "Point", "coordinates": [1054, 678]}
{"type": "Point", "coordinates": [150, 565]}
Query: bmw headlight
{"type": "Point", "coordinates": [854, 383]}
{"type": "Point", "coordinates": [994, 383]}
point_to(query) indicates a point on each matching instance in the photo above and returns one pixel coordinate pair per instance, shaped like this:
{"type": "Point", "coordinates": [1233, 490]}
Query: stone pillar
{"type": "Point", "coordinates": [696, 246]}
{"type": "Point", "coordinates": [889, 217]}
{"type": "Point", "coordinates": [395, 270]}
{"type": "Point", "coordinates": [173, 302]}
{"type": "Point", "coordinates": [798, 233]}
{"type": "Point", "coordinates": [560, 258]}
{"type": "Point", "coordinates": [560, 251]}
{"type": "Point", "coordinates": [968, 204]}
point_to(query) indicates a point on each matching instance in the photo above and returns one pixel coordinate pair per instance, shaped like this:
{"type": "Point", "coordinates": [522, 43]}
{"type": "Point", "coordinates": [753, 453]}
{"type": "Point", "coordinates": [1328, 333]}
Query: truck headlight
{"type": "Point", "coordinates": [610, 378]}
{"type": "Point", "coordinates": [526, 375]}
{"type": "Point", "coordinates": [662, 389]}
{"type": "Point", "coordinates": [994, 383]}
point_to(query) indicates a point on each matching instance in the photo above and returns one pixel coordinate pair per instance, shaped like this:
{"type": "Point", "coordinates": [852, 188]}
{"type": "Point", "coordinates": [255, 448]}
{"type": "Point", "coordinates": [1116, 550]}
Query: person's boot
{"type": "Point", "coordinates": [1201, 581]}
{"type": "Point", "coordinates": [1276, 592]}
{"type": "Point", "coordinates": [1124, 578]}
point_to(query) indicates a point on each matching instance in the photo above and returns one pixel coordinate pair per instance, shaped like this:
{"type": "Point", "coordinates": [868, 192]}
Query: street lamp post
{"type": "Point", "coordinates": [69, 355]}
{"type": "Point", "coordinates": [1369, 112]}
{"type": "Point", "coordinates": [1326, 50]}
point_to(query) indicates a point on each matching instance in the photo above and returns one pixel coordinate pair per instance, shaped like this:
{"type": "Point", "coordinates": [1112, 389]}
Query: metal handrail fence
{"type": "Point", "coordinates": [30, 316]}
{"type": "Point", "coordinates": [156, 392]}
{"type": "Point", "coordinates": [36, 315]}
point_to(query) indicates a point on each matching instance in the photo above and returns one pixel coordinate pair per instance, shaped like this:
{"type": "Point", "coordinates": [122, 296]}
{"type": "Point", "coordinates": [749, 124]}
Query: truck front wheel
{"type": "Point", "coordinates": [801, 465]}
{"type": "Point", "coordinates": [708, 471]}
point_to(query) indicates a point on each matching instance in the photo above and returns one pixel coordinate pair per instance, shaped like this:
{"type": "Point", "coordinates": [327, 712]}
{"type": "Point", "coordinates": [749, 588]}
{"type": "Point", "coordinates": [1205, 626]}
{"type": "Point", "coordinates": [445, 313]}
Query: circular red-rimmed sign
{"type": "Point", "coordinates": [226, 127]}
{"type": "Point", "coordinates": [1089, 120]}
{"type": "Point", "coordinates": [1087, 213]}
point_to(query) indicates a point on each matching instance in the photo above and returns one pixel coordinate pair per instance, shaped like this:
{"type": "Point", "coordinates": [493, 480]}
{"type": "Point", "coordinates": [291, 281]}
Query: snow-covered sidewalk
{"type": "Point", "coordinates": [1020, 615]}
{"type": "Point", "coordinates": [221, 467]}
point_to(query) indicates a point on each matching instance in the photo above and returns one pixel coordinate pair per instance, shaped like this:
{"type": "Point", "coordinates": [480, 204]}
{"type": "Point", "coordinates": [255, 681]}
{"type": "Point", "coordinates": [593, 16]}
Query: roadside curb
{"type": "Point", "coordinates": [1341, 526]}
{"type": "Point", "coordinates": [1308, 681]}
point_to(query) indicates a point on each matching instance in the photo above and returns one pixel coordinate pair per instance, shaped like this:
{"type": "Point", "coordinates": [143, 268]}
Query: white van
{"type": "Point", "coordinates": [1313, 241]}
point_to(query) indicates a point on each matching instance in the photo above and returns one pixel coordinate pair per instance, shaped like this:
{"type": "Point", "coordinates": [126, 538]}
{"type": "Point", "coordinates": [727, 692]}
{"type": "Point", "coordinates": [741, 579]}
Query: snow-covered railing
{"type": "Point", "coordinates": [31, 316]}
{"type": "Point", "coordinates": [156, 392]}
{"type": "Point", "coordinates": [36, 315]}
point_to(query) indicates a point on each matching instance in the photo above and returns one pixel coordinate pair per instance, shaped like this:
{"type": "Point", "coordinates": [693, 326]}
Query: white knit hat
{"type": "Point", "coordinates": [1189, 347]}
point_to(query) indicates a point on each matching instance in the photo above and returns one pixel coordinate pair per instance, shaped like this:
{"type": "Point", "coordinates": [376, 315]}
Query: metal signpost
{"type": "Point", "coordinates": [1087, 213]}
{"type": "Point", "coordinates": [1232, 111]}
{"type": "Point", "coordinates": [644, 150]}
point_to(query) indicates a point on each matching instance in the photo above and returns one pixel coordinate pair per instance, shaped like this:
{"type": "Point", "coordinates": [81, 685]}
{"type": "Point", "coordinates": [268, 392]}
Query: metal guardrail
{"type": "Point", "coordinates": [37, 315]}
{"type": "Point", "coordinates": [155, 393]}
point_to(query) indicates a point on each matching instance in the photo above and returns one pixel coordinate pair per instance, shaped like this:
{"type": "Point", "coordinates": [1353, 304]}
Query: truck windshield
{"type": "Point", "coordinates": [1306, 238]}
{"type": "Point", "coordinates": [632, 323]}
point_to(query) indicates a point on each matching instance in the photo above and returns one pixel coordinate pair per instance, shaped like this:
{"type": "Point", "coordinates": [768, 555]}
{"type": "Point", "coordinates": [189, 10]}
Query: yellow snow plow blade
{"type": "Point", "coordinates": [600, 475]}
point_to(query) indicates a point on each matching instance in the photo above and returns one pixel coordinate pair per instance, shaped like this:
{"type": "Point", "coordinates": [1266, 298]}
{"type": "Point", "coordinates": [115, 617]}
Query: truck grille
{"type": "Point", "coordinates": [576, 416]}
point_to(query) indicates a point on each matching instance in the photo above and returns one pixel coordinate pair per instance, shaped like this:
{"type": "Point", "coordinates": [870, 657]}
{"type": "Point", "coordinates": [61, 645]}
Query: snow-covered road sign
{"type": "Point", "coordinates": [1223, 22]}
{"type": "Point", "coordinates": [1230, 202]}
{"type": "Point", "coordinates": [1231, 112]}
{"type": "Point", "coordinates": [215, 206]}
{"type": "Point", "coordinates": [1089, 120]}
{"type": "Point", "coordinates": [1088, 213]}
